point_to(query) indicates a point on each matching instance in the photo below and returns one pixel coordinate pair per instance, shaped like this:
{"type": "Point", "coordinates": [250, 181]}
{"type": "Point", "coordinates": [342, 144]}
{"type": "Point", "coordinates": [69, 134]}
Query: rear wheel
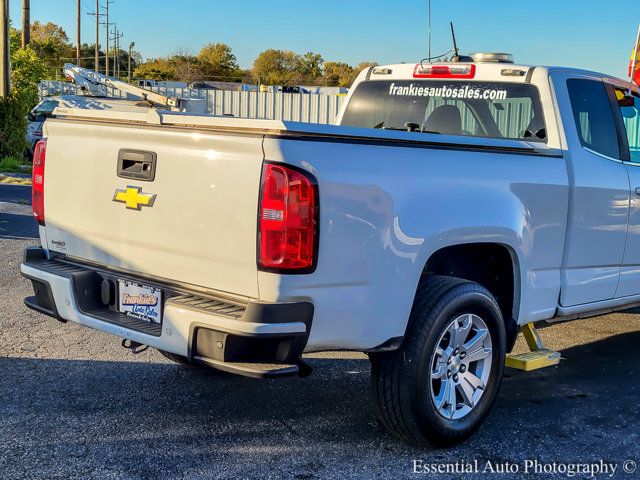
{"type": "Point", "coordinates": [440, 385]}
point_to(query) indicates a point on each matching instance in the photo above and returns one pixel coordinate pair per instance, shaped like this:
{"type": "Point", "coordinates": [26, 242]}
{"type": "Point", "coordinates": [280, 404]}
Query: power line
{"type": "Point", "coordinates": [117, 35]}
{"type": "Point", "coordinates": [97, 14]}
{"type": "Point", "coordinates": [74, 58]}
{"type": "Point", "coordinates": [108, 2]}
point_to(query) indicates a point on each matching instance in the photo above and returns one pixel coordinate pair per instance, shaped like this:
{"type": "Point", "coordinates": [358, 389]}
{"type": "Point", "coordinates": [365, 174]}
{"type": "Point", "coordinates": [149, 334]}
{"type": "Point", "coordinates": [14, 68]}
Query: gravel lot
{"type": "Point", "coordinates": [74, 404]}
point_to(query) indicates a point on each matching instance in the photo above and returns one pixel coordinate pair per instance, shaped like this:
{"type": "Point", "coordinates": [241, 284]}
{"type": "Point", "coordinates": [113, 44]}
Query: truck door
{"type": "Point", "coordinates": [629, 122]}
{"type": "Point", "coordinates": [599, 191]}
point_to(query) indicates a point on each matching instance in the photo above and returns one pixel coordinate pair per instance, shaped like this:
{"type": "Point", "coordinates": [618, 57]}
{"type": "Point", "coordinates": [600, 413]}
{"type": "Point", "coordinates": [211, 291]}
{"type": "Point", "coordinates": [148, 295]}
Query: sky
{"type": "Point", "coordinates": [596, 35]}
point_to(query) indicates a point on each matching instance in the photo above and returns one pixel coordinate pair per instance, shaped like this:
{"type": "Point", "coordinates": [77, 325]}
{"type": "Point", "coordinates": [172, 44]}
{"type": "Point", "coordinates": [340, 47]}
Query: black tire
{"type": "Point", "coordinates": [400, 378]}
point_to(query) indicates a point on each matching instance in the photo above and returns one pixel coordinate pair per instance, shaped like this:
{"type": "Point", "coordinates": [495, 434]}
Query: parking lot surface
{"type": "Point", "coordinates": [75, 405]}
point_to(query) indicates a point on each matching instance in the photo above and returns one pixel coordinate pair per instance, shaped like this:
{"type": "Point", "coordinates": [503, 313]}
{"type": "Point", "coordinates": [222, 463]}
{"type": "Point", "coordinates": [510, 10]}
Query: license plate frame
{"type": "Point", "coordinates": [140, 301]}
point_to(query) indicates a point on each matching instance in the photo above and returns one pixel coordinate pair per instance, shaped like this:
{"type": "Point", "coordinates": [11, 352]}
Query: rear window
{"type": "Point", "coordinates": [477, 109]}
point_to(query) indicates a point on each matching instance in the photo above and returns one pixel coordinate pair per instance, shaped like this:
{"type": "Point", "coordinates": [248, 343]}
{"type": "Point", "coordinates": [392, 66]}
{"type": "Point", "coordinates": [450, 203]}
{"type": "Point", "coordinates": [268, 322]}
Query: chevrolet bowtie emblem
{"type": "Point", "coordinates": [134, 198]}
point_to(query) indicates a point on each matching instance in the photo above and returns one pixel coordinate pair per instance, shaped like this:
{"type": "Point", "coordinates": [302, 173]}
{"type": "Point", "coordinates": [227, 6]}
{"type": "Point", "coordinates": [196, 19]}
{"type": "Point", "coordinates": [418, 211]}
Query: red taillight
{"type": "Point", "coordinates": [287, 223]}
{"type": "Point", "coordinates": [444, 71]}
{"type": "Point", "coordinates": [37, 181]}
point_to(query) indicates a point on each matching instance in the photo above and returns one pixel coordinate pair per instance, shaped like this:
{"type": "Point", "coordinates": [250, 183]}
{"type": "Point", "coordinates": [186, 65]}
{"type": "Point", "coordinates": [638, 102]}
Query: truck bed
{"type": "Point", "coordinates": [202, 228]}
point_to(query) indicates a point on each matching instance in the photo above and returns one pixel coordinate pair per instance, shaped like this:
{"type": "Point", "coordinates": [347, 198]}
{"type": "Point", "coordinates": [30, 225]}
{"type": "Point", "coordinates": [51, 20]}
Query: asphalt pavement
{"type": "Point", "coordinates": [75, 405]}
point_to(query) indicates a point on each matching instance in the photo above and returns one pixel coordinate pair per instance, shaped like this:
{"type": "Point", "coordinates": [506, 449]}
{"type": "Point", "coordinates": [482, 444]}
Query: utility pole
{"type": "Point", "coordinates": [118, 54]}
{"type": "Point", "coordinates": [78, 53]}
{"type": "Point", "coordinates": [131, 45]}
{"type": "Point", "coordinates": [98, 15]}
{"type": "Point", "coordinates": [97, 60]}
{"type": "Point", "coordinates": [4, 49]}
{"type": "Point", "coordinates": [106, 68]}
{"type": "Point", "coordinates": [118, 51]}
{"type": "Point", "coordinates": [116, 65]}
{"type": "Point", "coordinates": [107, 31]}
{"type": "Point", "coordinates": [117, 35]}
{"type": "Point", "coordinates": [26, 23]}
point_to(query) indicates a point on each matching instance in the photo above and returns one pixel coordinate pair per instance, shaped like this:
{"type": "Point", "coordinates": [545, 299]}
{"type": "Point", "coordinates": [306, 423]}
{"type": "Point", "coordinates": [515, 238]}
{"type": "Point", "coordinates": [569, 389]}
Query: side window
{"type": "Point", "coordinates": [630, 108]}
{"type": "Point", "coordinates": [593, 116]}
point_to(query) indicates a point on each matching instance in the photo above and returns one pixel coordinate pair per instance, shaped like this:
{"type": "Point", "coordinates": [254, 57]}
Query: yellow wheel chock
{"type": "Point", "coordinates": [537, 357]}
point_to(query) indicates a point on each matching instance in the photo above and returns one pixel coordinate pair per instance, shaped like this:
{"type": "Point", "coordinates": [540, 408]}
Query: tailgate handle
{"type": "Point", "coordinates": [137, 165]}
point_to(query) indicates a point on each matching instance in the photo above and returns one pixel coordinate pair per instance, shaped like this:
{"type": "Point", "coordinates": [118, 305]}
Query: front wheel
{"type": "Point", "coordinates": [440, 385]}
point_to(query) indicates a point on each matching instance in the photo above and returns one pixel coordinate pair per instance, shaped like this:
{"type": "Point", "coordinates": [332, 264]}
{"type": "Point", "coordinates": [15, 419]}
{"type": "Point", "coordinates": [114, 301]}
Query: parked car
{"type": "Point", "coordinates": [450, 205]}
{"type": "Point", "coordinates": [35, 120]}
{"type": "Point", "coordinates": [283, 89]}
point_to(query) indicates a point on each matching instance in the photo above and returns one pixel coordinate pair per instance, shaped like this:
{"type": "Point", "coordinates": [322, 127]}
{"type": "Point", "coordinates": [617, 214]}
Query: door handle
{"type": "Point", "coordinates": [137, 165]}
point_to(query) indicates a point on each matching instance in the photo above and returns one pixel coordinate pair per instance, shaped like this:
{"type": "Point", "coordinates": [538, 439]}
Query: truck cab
{"type": "Point", "coordinates": [593, 119]}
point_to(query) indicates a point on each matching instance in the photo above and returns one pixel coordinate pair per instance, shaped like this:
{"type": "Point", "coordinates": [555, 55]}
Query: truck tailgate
{"type": "Point", "coordinates": [200, 227]}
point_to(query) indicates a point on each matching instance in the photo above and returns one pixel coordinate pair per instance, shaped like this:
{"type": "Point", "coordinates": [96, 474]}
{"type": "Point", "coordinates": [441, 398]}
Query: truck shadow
{"type": "Point", "coordinates": [17, 194]}
{"type": "Point", "coordinates": [139, 412]}
{"type": "Point", "coordinates": [17, 226]}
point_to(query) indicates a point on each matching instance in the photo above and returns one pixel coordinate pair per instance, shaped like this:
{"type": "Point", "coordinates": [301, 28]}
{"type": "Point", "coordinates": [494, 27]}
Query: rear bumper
{"type": "Point", "coordinates": [252, 338]}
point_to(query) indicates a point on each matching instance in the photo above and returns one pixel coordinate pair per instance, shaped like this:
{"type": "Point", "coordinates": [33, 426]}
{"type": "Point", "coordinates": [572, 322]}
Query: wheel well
{"type": "Point", "coordinates": [491, 265]}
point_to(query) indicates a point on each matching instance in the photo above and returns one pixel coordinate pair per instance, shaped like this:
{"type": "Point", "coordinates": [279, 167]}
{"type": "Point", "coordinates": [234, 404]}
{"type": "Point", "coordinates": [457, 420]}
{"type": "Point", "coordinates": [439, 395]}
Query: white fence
{"type": "Point", "coordinates": [297, 107]}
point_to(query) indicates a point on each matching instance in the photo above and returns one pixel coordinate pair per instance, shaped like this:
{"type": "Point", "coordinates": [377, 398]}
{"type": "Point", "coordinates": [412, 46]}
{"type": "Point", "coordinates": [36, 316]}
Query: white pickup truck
{"type": "Point", "coordinates": [451, 204]}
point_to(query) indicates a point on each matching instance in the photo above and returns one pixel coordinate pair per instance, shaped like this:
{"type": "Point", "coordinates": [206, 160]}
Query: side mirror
{"type": "Point", "coordinates": [31, 117]}
{"type": "Point", "coordinates": [625, 100]}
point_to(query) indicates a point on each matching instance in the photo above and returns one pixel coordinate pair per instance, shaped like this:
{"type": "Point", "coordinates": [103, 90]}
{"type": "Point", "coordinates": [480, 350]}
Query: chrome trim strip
{"type": "Point", "coordinates": [606, 157]}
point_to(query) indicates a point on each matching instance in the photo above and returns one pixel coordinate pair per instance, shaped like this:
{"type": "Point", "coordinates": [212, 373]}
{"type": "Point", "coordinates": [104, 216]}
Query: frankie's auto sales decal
{"type": "Point", "coordinates": [447, 91]}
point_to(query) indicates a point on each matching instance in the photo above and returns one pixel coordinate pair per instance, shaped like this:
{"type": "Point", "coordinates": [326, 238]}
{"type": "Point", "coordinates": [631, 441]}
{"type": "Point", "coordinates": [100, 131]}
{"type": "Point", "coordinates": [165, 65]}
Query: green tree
{"type": "Point", "coordinates": [27, 69]}
{"type": "Point", "coordinates": [310, 67]}
{"type": "Point", "coordinates": [88, 55]}
{"type": "Point", "coordinates": [122, 58]}
{"type": "Point", "coordinates": [218, 61]}
{"type": "Point", "coordinates": [181, 67]}
{"type": "Point", "coordinates": [188, 68]}
{"type": "Point", "coordinates": [277, 67]}
{"type": "Point", "coordinates": [338, 74]}
{"type": "Point", "coordinates": [51, 44]}
{"type": "Point", "coordinates": [26, 72]}
{"type": "Point", "coordinates": [156, 69]}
